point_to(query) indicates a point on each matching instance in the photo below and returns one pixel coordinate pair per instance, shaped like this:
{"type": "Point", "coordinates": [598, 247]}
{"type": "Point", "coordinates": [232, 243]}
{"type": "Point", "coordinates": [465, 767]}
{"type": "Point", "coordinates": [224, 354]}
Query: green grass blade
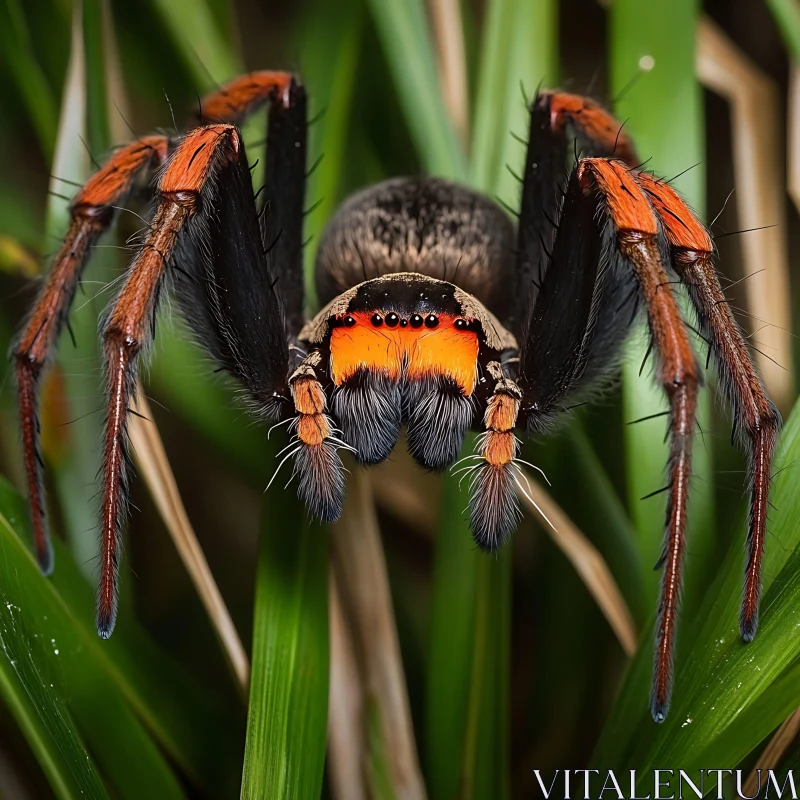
{"type": "Point", "coordinates": [721, 683]}
{"type": "Point", "coordinates": [205, 53]}
{"type": "Point", "coordinates": [453, 613]}
{"type": "Point", "coordinates": [787, 18]}
{"type": "Point", "coordinates": [33, 701]}
{"type": "Point", "coordinates": [518, 54]}
{"type": "Point", "coordinates": [58, 664]}
{"type": "Point", "coordinates": [664, 113]}
{"type": "Point", "coordinates": [330, 45]}
{"type": "Point", "coordinates": [203, 738]}
{"type": "Point", "coordinates": [287, 717]}
{"type": "Point", "coordinates": [17, 50]}
{"type": "Point", "coordinates": [406, 39]}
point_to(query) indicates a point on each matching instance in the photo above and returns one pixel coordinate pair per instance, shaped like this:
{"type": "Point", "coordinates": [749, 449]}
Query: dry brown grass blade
{"type": "Point", "coordinates": [154, 466]}
{"type": "Point", "coordinates": [586, 559]}
{"type": "Point", "coordinates": [346, 744]}
{"type": "Point", "coordinates": [773, 752]}
{"type": "Point", "coordinates": [360, 568]}
{"type": "Point", "coordinates": [793, 135]}
{"type": "Point", "coordinates": [451, 62]}
{"type": "Point", "coordinates": [760, 181]}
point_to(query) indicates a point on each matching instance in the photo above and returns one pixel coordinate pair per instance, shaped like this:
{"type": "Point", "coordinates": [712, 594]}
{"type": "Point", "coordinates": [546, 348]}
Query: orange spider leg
{"type": "Point", "coordinates": [692, 252]}
{"type": "Point", "coordinates": [127, 328]}
{"type": "Point", "coordinates": [637, 240]}
{"type": "Point", "coordinates": [91, 211]}
{"type": "Point", "coordinates": [242, 95]}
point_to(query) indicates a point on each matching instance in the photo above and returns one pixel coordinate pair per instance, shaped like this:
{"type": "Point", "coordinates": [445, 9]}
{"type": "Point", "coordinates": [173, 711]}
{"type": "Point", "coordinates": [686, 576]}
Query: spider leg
{"type": "Point", "coordinates": [281, 213]}
{"type": "Point", "coordinates": [317, 461]}
{"type": "Point", "coordinates": [756, 417]}
{"type": "Point", "coordinates": [494, 508]}
{"type": "Point", "coordinates": [205, 226]}
{"type": "Point", "coordinates": [608, 234]}
{"type": "Point", "coordinates": [91, 213]}
{"type": "Point", "coordinates": [556, 119]}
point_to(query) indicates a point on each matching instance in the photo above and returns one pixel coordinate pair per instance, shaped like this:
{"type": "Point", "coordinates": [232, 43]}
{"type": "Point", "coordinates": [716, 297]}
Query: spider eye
{"type": "Point", "coordinates": [349, 321]}
{"type": "Point", "coordinates": [416, 321]}
{"type": "Point", "coordinates": [460, 324]}
{"type": "Point", "coordinates": [377, 320]}
{"type": "Point", "coordinates": [392, 319]}
{"type": "Point", "coordinates": [431, 321]}
{"type": "Point", "coordinates": [403, 323]}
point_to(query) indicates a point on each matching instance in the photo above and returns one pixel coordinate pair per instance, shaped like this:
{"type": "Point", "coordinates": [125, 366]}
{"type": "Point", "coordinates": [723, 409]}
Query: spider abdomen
{"type": "Point", "coordinates": [427, 226]}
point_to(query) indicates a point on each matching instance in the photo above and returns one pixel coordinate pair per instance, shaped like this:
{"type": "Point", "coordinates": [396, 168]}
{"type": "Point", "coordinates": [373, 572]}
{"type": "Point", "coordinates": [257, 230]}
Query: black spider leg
{"type": "Point", "coordinates": [228, 293]}
{"type": "Point", "coordinates": [555, 120]}
{"type": "Point", "coordinates": [204, 234]}
{"type": "Point", "coordinates": [284, 198]}
{"type": "Point", "coordinates": [561, 350]}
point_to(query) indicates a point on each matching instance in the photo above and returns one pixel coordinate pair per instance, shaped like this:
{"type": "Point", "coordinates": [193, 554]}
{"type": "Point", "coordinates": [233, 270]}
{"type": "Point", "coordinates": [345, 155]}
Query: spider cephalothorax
{"type": "Point", "coordinates": [438, 315]}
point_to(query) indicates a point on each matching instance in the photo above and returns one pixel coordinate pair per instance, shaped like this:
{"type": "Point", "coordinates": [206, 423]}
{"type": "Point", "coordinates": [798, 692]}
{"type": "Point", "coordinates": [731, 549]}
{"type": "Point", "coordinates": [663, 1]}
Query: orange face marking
{"type": "Point", "coordinates": [240, 95]}
{"type": "Point", "coordinates": [190, 165]}
{"type": "Point", "coordinates": [114, 179]}
{"type": "Point", "coordinates": [443, 350]}
{"type": "Point", "coordinates": [683, 229]}
{"type": "Point", "coordinates": [594, 122]}
{"type": "Point", "coordinates": [627, 204]}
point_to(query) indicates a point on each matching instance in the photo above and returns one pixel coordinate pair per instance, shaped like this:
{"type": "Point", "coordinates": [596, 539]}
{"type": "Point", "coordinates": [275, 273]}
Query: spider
{"type": "Point", "coordinates": [439, 316]}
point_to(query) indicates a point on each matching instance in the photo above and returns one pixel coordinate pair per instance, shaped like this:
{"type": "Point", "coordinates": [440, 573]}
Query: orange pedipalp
{"type": "Point", "coordinates": [443, 350]}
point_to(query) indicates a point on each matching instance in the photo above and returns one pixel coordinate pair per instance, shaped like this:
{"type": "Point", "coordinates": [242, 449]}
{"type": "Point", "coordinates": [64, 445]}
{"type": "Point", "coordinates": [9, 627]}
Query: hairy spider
{"type": "Point", "coordinates": [439, 315]}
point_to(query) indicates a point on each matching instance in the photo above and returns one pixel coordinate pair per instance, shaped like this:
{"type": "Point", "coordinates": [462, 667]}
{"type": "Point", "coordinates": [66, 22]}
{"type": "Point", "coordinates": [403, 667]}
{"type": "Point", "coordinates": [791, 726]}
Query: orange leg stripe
{"type": "Point", "coordinates": [500, 448]}
{"type": "Point", "coordinates": [501, 413]}
{"type": "Point", "coordinates": [113, 180]}
{"type": "Point", "coordinates": [680, 225]}
{"type": "Point", "coordinates": [627, 203]}
{"type": "Point", "coordinates": [308, 396]}
{"type": "Point", "coordinates": [240, 95]}
{"type": "Point", "coordinates": [189, 168]}
{"type": "Point", "coordinates": [312, 429]}
{"type": "Point", "coordinates": [594, 122]}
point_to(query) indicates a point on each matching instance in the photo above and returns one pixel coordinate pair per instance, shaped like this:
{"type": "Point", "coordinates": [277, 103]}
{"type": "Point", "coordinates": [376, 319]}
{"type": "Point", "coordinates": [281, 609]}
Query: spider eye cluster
{"type": "Point", "coordinates": [392, 320]}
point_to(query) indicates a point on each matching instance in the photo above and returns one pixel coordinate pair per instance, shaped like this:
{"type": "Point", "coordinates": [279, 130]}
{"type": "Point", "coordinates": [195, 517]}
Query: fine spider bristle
{"type": "Point", "coordinates": [368, 407]}
{"type": "Point", "coordinates": [321, 480]}
{"type": "Point", "coordinates": [437, 414]}
{"type": "Point", "coordinates": [494, 508]}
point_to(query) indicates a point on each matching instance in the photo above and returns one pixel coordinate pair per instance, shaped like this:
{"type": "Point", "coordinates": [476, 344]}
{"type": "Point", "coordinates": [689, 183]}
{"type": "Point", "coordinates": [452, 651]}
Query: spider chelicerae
{"type": "Point", "coordinates": [438, 315]}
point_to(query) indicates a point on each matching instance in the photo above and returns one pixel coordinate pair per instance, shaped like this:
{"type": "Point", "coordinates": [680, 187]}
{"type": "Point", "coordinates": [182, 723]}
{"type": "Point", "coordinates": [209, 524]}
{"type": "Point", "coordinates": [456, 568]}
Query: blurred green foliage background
{"type": "Point", "coordinates": [509, 664]}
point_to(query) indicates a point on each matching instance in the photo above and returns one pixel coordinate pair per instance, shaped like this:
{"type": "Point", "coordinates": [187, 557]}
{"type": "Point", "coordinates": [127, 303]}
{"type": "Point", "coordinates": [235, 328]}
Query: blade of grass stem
{"type": "Point", "coordinates": [760, 174]}
{"type": "Point", "coordinates": [204, 51]}
{"type": "Point", "coordinates": [518, 53]}
{"type": "Point", "coordinates": [200, 735]}
{"type": "Point", "coordinates": [287, 717]}
{"type": "Point", "coordinates": [330, 41]}
{"type": "Point", "coordinates": [155, 468]}
{"type": "Point", "coordinates": [407, 44]}
{"type": "Point", "coordinates": [451, 63]}
{"type": "Point", "coordinates": [773, 753]}
{"type": "Point", "coordinates": [586, 559]}
{"type": "Point", "coordinates": [360, 567]}
{"type": "Point", "coordinates": [32, 85]}
{"type": "Point", "coordinates": [346, 744]}
{"type": "Point", "coordinates": [64, 676]}
{"type": "Point", "coordinates": [787, 18]}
